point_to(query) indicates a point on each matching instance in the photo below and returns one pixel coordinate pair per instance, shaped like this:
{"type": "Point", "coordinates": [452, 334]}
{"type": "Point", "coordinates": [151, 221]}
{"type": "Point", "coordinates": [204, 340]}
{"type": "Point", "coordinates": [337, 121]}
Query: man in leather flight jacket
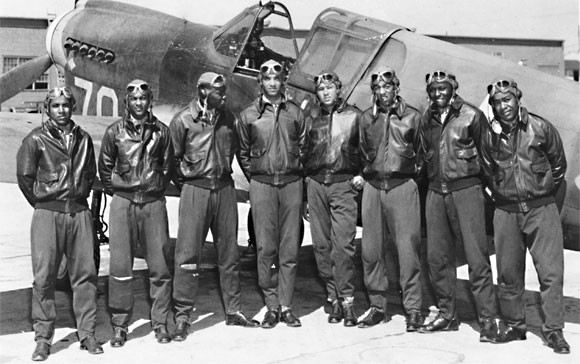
{"type": "Point", "coordinates": [524, 163]}
{"type": "Point", "coordinates": [205, 141]}
{"type": "Point", "coordinates": [389, 143]}
{"type": "Point", "coordinates": [333, 181]}
{"type": "Point", "coordinates": [55, 168]}
{"type": "Point", "coordinates": [455, 204]}
{"type": "Point", "coordinates": [272, 135]}
{"type": "Point", "coordinates": [135, 166]}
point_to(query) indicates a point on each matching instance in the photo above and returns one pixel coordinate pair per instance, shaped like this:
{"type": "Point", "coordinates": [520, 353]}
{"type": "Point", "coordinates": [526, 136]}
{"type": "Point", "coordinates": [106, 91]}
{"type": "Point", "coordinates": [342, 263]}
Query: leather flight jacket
{"type": "Point", "coordinates": [136, 161]}
{"type": "Point", "coordinates": [451, 147]}
{"type": "Point", "coordinates": [272, 142]}
{"type": "Point", "coordinates": [204, 147]}
{"type": "Point", "coordinates": [52, 175]}
{"type": "Point", "coordinates": [524, 165]}
{"type": "Point", "coordinates": [332, 144]}
{"type": "Point", "coordinates": [390, 144]}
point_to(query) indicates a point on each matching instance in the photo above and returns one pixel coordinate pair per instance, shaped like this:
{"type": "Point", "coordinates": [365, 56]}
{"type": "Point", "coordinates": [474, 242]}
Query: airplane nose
{"type": "Point", "coordinates": [56, 46]}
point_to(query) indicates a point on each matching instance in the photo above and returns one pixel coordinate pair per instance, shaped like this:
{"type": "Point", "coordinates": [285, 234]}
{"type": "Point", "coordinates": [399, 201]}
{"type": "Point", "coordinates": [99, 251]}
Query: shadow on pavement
{"type": "Point", "coordinates": [309, 296]}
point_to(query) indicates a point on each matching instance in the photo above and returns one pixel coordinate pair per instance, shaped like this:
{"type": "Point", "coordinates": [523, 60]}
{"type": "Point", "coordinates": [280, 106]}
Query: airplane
{"type": "Point", "coordinates": [101, 45]}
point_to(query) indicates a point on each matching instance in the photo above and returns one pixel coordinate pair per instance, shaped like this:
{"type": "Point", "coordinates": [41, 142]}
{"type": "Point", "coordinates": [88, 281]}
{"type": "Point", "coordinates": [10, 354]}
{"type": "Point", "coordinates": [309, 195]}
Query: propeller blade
{"type": "Point", "coordinates": [18, 78]}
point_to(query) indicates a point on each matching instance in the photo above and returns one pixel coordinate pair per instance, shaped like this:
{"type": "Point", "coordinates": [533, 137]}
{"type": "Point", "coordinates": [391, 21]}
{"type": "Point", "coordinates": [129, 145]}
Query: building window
{"type": "Point", "coordinates": [13, 62]}
{"type": "Point", "coordinates": [497, 54]}
{"type": "Point", "coordinates": [61, 79]}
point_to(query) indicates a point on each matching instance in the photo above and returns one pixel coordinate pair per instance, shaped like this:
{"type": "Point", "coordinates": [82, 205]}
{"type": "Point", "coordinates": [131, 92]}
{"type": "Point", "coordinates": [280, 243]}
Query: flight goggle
{"type": "Point", "coordinates": [503, 86]}
{"type": "Point", "coordinates": [439, 76]}
{"type": "Point", "coordinates": [275, 68]}
{"type": "Point", "coordinates": [144, 87]}
{"type": "Point", "coordinates": [325, 77]}
{"type": "Point", "coordinates": [387, 77]}
{"type": "Point", "coordinates": [58, 91]}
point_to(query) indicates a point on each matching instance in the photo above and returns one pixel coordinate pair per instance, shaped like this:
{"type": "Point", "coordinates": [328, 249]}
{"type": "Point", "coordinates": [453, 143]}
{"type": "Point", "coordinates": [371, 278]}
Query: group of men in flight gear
{"type": "Point", "coordinates": [329, 154]}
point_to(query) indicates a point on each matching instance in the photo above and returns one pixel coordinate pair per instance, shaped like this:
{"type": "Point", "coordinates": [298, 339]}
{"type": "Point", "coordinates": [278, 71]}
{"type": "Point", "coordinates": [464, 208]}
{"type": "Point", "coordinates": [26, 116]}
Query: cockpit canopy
{"type": "Point", "coordinates": [260, 33]}
{"type": "Point", "coordinates": [348, 44]}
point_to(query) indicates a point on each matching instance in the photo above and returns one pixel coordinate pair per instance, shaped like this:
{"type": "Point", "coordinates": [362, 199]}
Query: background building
{"type": "Point", "coordinates": [22, 39]}
{"type": "Point", "coordinates": [542, 54]}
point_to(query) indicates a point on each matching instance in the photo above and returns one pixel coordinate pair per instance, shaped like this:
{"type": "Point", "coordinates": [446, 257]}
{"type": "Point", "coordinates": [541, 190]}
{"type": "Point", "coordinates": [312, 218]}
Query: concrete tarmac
{"type": "Point", "coordinates": [212, 341]}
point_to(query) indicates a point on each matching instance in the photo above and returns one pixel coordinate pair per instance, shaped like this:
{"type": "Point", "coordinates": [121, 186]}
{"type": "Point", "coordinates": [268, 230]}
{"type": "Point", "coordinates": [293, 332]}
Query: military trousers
{"type": "Point", "coordinates": [276, 214]}
{"type": "Point", "coordinates": [539, 231]}
{"type": "Point", "coordinates": [52, 235]}
{"type": "Point", "coordinates": [144, 224]}
{"type": "Point", "coordinates": [397, 212]}
{"type": "Point", "coordinates": [454, 218]}
{"type": "Point", "coordinates": [200, 210]}
{"type": "Point", "coordinates": [333, 215]}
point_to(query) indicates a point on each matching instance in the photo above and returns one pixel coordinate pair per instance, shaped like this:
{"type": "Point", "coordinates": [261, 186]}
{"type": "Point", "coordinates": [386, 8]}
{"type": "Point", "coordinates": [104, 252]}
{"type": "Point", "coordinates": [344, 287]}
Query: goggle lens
{"type": "Point", "coordinates": [142, 86]}
{"type": "Point", "coordinates": [325, 77]}
{"type": "Point", "coordinates": [275, 68]}
{"type": "Point", "coordinates": [387, 75]}
{"type": "Point", "coordinates": [57, 91]}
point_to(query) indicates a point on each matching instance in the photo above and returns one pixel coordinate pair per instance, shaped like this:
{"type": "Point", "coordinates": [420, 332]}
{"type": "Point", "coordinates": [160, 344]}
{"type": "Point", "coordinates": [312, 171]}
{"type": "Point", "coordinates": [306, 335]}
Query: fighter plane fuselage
{"type": "Point", "coordinates": [102, 45]}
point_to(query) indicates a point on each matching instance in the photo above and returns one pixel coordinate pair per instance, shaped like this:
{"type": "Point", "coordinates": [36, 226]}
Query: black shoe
{"type": "Point", "coordinates": [270, 319]}
{"type": "Point", "coordinates": [290, 319]}
{"type": "Point", "coordinates": [440, 324]}
{"type": "Point", "coordinates": [162, 335]}
{"type": "Point", "coordinates": [335, 316]}
{"type": "Point", "coordinates": [181, 331]}
{"type": "Point", "coordinates": [510, 334]}
{"type": "Point", "coordinates": [41, 351]}
{"type": "Point", "coordinates": [120, 337]}
{"type": "Point", "coordinates": [414, 321]}
{"type": "Point", "coordinates": [239, 319]}
{"type": "Point", "coordinates": [372, 317]}
{"type": "Point", "coordinates": [91, 344]}
{"type": "Point", "coordinates": [489, 331]}
{"type": "Point", "coordinates": [349, 315]}
{"type": "Point", "coordinates": [557, 342]}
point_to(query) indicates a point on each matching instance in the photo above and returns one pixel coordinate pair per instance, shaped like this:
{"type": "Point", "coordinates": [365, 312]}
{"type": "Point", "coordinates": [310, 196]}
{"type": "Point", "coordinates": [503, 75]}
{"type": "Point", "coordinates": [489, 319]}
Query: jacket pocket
{"type": "Point", "coordinates": [190, 164]}
{"type": "Point", "coordinates": [406, 153]}
{"type": "Point", "coordinates": [47, 183]}
{"type": "Point", "coordinates": [405, 161]}
{"type": "Point", "coordinates": [257, 152]}
{"type": "Point", "coordinates": [294, 161]}
{"type": "Point", "coordinates": [194, 157]}
{"type": "Point", "coordinates": [540, 167]}
{"type": "Point", "coordinates": [466, 153]}
{"type": "Point", "coordinates": [47, 176]}
{"type": "Point", "coordinates": [122, 168]}
{"type": "Point", "coordinates": [467, 163]}
{"type": "Point", "coordinates": [542, 174]}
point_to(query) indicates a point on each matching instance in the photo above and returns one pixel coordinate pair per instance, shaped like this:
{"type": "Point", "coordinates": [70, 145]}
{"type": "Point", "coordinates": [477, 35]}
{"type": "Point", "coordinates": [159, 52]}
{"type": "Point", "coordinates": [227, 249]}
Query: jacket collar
{"type": "Point", "coordinates": [398, 108]}
{"type": "Point", "coordinates": [522, 122]}
{"type": "Point", "coordinates": [262, 102]}
{"type": "Point", "coordinates": [338, 107]}
{"type": "Point", "coordinates": [149, 121]}
{"type": "Point", "coordinates": [197, 112]}
{"type": "Point", "coordinates": [51, 126]}
{"type": "Point", "coordinates": [455, 105]}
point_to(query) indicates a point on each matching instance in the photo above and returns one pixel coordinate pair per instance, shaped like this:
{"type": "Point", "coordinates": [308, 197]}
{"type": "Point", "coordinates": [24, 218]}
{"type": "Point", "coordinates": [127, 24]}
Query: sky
{"type": "Point", "coordinates": [531, 19]}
